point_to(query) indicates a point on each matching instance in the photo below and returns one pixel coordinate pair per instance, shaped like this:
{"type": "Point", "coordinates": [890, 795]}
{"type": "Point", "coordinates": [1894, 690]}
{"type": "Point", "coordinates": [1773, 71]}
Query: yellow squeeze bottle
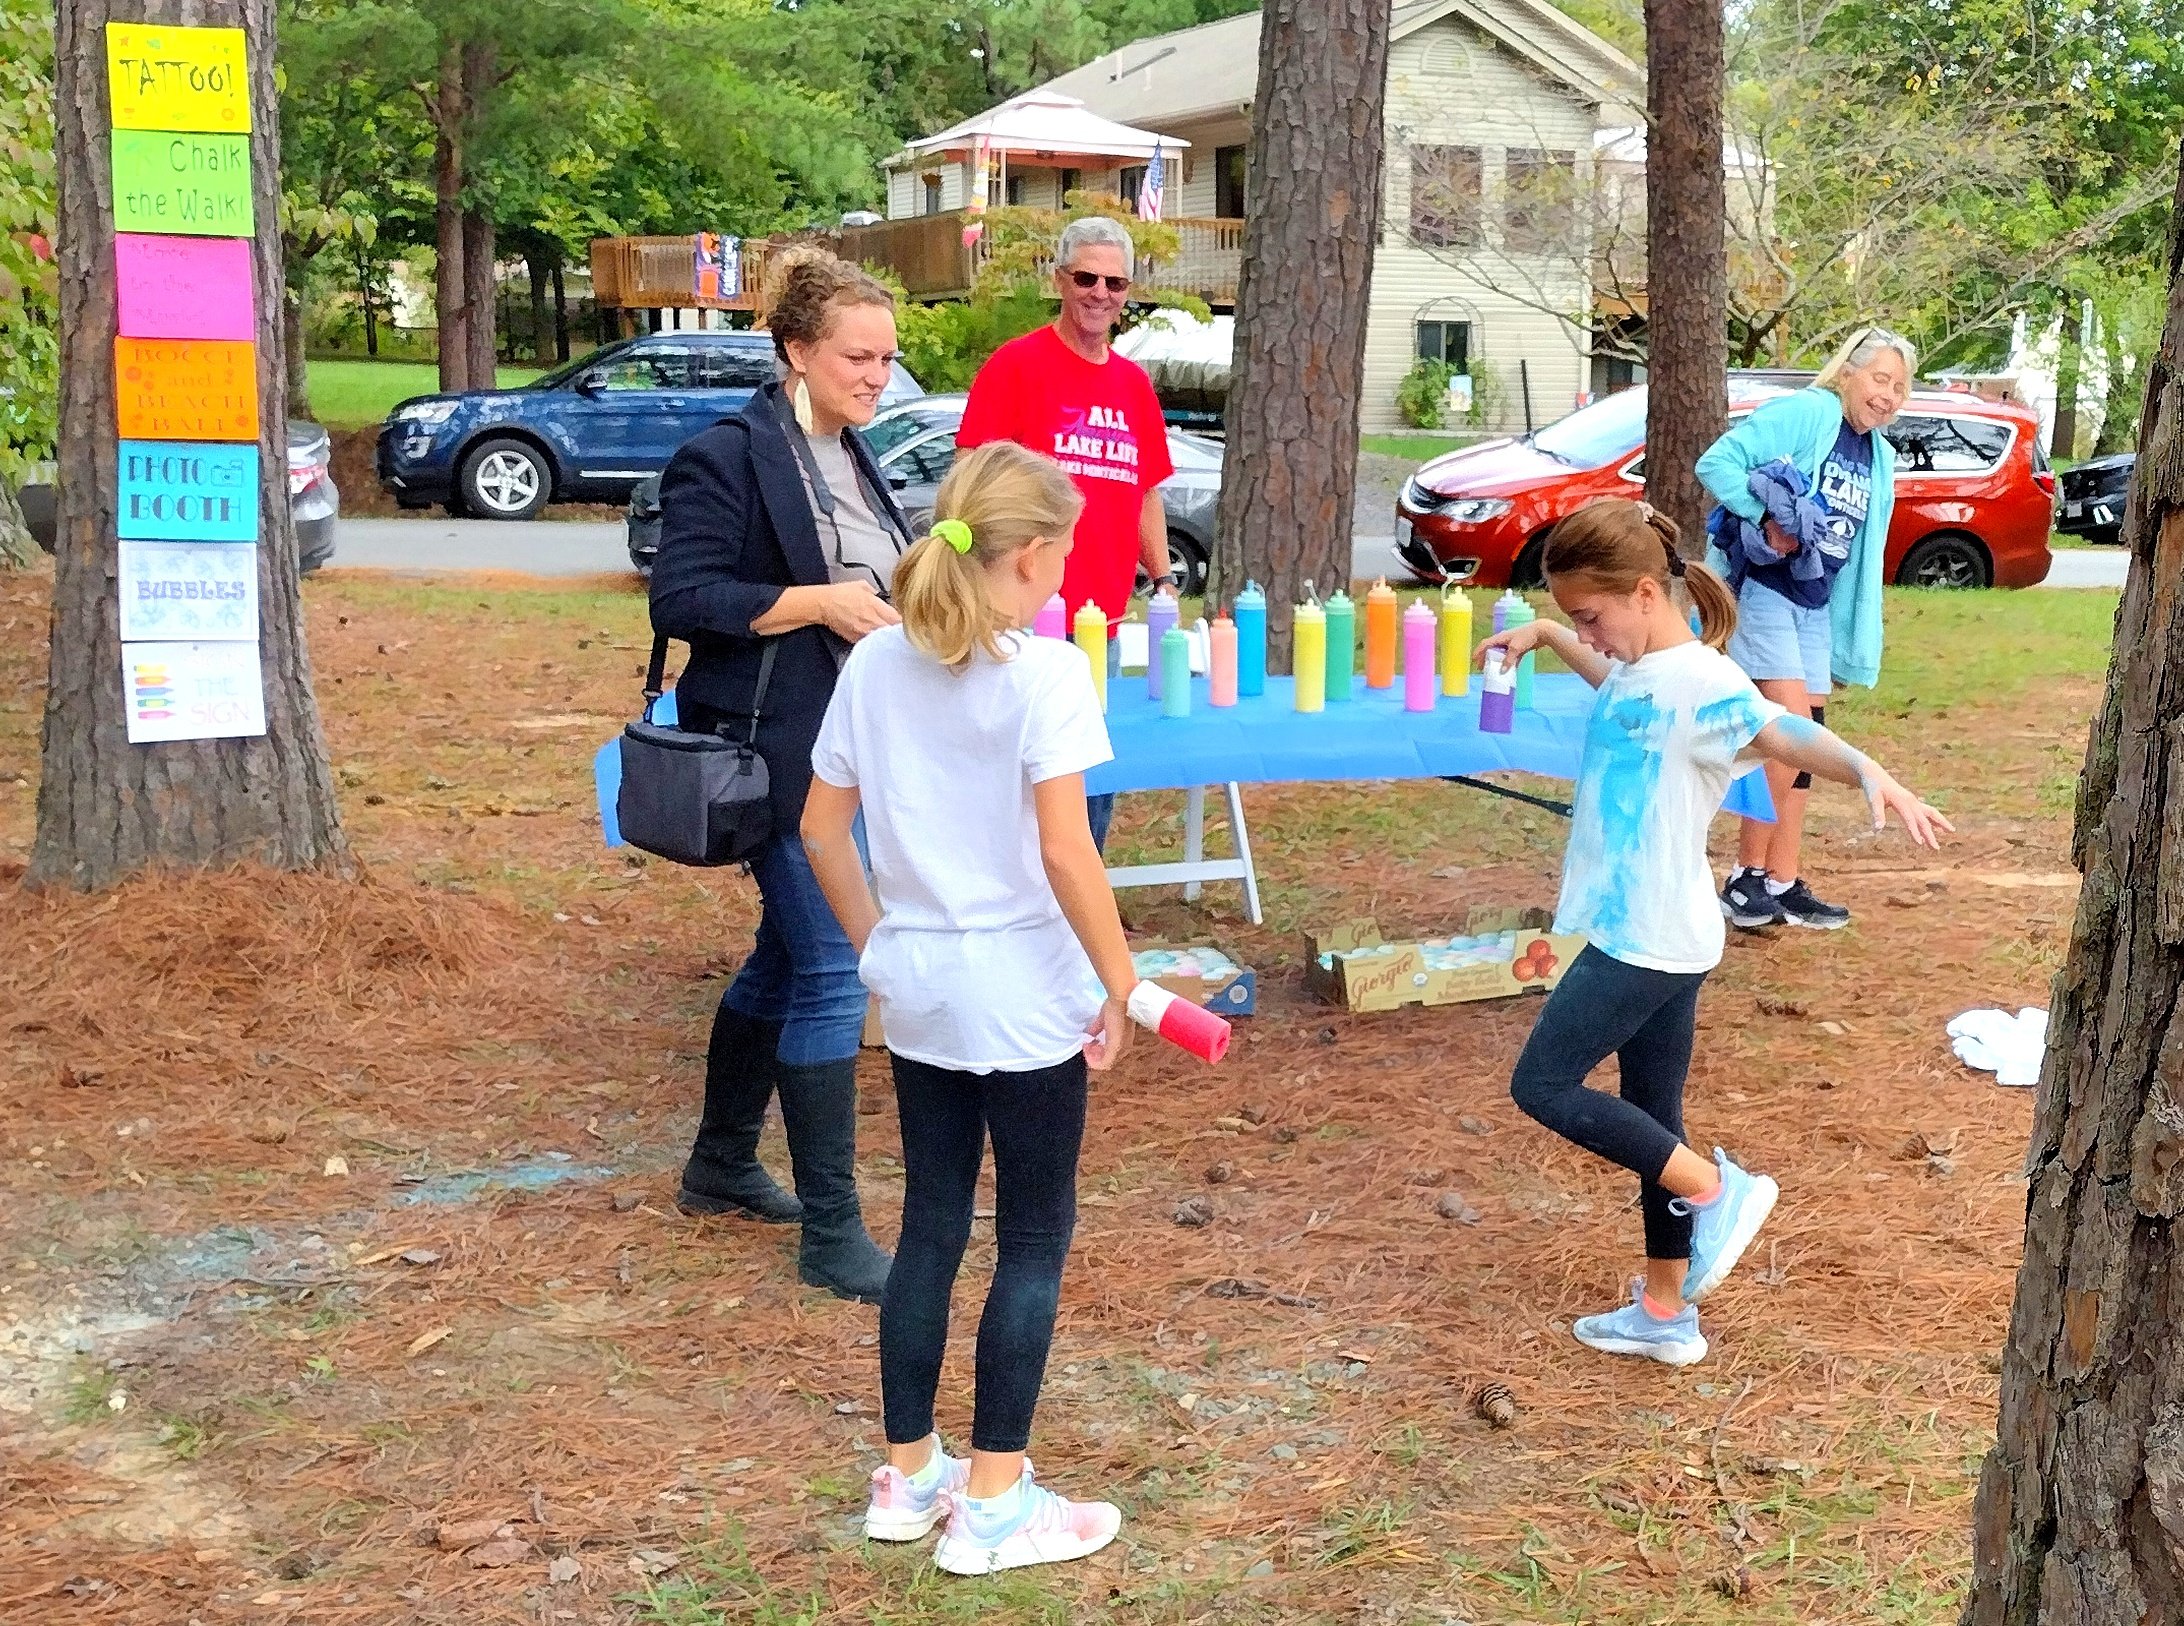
{"type": "Point", "coordinates": [1455, 642]}
{"type": "Point", "coordinates": [1089, 633]}
{"type": "Point", "coordinates": [1308, 655]}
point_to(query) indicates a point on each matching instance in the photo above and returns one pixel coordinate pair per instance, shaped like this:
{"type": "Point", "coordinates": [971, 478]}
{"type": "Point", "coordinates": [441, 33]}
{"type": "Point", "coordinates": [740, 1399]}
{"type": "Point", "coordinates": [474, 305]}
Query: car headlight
{"type": "Point", "coordinates": [1475, 510]}
{"type": "Point", "coordinates": [426, 414]}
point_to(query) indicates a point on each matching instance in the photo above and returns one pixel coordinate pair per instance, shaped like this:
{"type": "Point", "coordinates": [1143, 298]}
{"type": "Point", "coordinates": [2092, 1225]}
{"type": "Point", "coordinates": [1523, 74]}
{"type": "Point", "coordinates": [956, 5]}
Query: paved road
{"type": "Point", "coordinates": [586, 547]}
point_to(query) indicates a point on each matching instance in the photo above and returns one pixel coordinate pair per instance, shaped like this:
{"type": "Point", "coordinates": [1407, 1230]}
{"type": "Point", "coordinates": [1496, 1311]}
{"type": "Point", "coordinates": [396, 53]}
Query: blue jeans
{"type": "Point", "coordinates": [1036, 1120]}
{"type": "Point", "coordinates": [802, 971]}
{"type": "Point", "coordinates": [1100, 810]}
{"type": "Point", "coordinates": [1604, 1007]}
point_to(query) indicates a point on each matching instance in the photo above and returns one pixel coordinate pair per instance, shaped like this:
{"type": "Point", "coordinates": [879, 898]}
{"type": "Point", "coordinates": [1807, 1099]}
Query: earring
{"type": "Point", "coordinates": [800, 399]}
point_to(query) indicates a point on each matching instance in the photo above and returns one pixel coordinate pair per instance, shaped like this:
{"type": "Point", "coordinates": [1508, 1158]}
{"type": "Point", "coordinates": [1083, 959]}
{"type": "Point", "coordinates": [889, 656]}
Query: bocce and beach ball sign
{"type": "Point", "coordinates": [185, 381]}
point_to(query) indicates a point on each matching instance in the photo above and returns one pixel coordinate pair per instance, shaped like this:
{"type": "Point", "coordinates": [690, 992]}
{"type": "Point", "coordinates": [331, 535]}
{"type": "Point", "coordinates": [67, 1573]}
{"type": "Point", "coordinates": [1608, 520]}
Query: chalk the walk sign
{"type": "Point", "coordinates": [185, 381]}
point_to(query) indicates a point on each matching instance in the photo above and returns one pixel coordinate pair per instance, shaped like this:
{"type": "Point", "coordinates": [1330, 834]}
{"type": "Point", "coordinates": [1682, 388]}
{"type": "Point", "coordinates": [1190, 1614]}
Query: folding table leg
{"type": "Point", "coordinates": [1194, 836]}
{"type": "Point", "coordinates": [1242, 838]}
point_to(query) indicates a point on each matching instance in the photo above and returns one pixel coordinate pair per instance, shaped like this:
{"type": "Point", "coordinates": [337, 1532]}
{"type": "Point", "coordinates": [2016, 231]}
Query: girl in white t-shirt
{"type": "Point", "coordinates": [1001, 971]}
{"type": "Point", "coordinates": [1673, 719]}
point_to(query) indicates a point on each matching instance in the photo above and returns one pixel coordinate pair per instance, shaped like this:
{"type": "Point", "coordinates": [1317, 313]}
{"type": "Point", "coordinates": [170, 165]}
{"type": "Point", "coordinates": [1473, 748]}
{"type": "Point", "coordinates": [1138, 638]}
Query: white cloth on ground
{"type": "Point", "coordinates": [2010, 1047]}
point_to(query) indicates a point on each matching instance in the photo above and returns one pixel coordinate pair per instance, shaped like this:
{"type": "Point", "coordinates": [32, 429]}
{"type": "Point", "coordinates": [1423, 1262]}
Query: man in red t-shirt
{"type": "Point", "coordinates": [1061, 391]}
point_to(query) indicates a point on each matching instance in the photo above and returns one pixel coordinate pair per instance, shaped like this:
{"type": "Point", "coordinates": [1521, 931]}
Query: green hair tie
{"type": "Point", "coordinates": [953, 532]}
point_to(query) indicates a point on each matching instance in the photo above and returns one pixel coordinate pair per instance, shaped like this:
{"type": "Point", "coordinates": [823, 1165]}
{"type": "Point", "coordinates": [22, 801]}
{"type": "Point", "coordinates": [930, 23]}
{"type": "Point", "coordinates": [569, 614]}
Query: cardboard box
{"type": "Point", "coordinates": [1234, 991]}
{"type": "Point", "coordinates": [1352, 965]}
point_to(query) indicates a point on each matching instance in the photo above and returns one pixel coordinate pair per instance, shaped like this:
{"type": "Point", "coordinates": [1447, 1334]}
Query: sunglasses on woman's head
{"type": "Point", "coordinates": [1088, 280]}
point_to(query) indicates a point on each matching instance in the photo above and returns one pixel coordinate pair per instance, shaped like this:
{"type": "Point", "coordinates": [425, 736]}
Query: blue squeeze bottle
{"type": "Point", "coordinates": [1251, 640]}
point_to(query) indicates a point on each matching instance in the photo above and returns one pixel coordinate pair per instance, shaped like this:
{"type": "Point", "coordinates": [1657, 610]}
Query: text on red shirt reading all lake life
{"type": "Point", "coordinates": [1098, 444]}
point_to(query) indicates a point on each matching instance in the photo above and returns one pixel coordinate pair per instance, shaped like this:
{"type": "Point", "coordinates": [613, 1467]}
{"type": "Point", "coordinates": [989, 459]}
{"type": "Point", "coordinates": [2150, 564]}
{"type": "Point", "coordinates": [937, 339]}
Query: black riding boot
{"type": "Point", "coordinates": [819, 1104]}
{"type": "Point", "coordinates": [724, 1175]}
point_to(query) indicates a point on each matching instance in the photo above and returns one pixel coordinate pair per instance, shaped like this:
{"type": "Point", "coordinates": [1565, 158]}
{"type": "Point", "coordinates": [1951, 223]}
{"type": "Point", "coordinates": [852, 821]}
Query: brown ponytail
{"type": "Point", "coordinates": [1617, 543]}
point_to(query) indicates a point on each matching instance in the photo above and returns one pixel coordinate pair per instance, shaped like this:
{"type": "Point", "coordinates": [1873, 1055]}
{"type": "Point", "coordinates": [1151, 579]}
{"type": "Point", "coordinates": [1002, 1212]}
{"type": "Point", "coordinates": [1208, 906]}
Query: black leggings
{"type": "Point", "coordinates": [1037, 1123]}
{"type": "Point", "coordinates": [1645, 1019]}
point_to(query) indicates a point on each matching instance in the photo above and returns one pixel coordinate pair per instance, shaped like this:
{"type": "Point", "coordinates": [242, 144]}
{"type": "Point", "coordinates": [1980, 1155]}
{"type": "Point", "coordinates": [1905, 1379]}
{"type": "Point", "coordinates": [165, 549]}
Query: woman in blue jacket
{"type": "Point", "coordinates": [1808, 602]}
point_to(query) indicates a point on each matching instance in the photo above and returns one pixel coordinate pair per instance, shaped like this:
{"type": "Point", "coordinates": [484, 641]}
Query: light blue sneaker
{"type": "Point", "coordinates": [1724, 1228]}
{"type": "Point", "coordinates": [1634, 1330]}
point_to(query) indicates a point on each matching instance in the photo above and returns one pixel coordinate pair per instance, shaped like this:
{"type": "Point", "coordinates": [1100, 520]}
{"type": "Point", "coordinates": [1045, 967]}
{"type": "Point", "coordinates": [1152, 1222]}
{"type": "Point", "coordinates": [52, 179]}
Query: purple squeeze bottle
{"type": "Point", "coordinates": [1497, 696]}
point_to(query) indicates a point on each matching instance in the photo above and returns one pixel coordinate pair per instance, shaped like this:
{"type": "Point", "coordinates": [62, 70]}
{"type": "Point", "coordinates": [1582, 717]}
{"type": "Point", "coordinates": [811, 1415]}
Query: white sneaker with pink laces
{"type": "Point", "coordinates": [1025, 1524]}
{"type": "Point", "coordinates": [903, 1509]}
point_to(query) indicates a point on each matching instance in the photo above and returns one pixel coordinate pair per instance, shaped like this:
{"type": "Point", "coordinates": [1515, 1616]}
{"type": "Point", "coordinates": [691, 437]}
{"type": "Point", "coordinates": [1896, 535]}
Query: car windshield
{"type": "Point", "coordinates": [1596, 434]}
{"type": "Point", "coordinates": [569, 369]}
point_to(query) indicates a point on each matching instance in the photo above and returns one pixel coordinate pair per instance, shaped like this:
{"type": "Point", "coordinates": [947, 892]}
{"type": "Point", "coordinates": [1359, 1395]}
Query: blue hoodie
{"type": "Point", "coordinates": [1802, 428]}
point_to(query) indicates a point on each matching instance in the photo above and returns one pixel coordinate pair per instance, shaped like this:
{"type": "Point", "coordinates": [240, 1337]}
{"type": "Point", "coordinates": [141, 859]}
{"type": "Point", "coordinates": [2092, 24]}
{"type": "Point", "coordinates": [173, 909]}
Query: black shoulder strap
{"type": "Point", "coordinates": [657, 671]}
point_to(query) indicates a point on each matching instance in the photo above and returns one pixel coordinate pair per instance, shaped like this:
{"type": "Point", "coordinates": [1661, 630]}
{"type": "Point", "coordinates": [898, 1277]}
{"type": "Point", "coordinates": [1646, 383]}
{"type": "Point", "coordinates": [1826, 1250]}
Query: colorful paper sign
{"type": "Point", "coordinates": [165, 77]}
{"type": "Point", "coordinates": [184, 287]}
{"type": "Point", "coordinates": [188, 491]}
{"type": "Point", "coordinates": [186, 389]}
{"type": "Point", "coordinates": [194, 185]}
{"type": "Point", "coordinates": [188, 590]}
{"type": "Point", "coordinates": [192, 691]}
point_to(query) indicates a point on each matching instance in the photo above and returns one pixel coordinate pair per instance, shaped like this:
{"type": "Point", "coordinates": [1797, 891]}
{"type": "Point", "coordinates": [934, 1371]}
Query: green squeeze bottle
{"type": "Point", "coordinates": [1341, 644]}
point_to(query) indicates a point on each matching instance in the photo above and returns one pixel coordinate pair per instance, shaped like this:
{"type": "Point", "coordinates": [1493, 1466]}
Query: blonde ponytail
{"type": "Point", "coordinates": [1003, 498]}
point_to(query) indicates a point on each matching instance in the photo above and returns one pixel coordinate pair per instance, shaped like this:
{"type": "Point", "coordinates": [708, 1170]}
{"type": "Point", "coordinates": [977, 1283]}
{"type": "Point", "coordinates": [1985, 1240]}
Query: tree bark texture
{"type": "Point", "coordinates": [107, 808]}
{"type": "Point", "coordinates": [1315, 165]}
{"type": "Point", "coordinates": [561, 314]}
{"type": "Point", "coordinates": [449, 287]}
{"type": "Point", "coordinates": [1687, 257]}
{"type": "Point", "coordinates": [480, 298]}
{"type": "Point", "coordinates": [296, 361]}
{"type": "Point", "coordinates": [2080, 1514]}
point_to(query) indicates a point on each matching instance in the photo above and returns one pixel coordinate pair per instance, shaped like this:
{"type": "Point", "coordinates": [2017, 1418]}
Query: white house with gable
{"type": "Point", "coordinates": [1494, 111]}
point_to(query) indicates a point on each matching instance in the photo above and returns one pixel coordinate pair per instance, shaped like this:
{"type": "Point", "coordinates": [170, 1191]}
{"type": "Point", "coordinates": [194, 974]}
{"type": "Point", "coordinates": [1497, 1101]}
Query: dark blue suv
{"type": "Point", "coordinates": [587, 432]}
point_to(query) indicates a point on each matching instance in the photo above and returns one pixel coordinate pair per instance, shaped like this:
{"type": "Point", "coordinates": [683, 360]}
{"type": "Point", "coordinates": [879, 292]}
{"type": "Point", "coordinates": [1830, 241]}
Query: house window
{"type": "Point", "coordinates": [1446, 341]}
{"type": "Point", "coordinates": [1539, 205]}
{"type": "Point", "coordinates": [1132, 183]}
{"type": "Point", "coordinates": [1228, 183]}
{"type": "Point", "coordinates": [1012, 191]}
{"type": "Point", "coordinates": [1445, 191]}
{"type": "Point", "coordinates": [1067, 181]}
{"type": "Point", "coordinates": [931, 204]}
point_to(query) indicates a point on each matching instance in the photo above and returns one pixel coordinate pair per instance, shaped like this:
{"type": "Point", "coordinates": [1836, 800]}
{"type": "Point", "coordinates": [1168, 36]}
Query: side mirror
{"type": "Point", "coordinates": [897, 480]}
{"type": "Point", "coordinates": [587, 384]}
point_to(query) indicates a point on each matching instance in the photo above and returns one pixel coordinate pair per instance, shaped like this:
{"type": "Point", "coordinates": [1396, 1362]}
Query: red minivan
{"type": "Point", "coordinates": [1975, 498]}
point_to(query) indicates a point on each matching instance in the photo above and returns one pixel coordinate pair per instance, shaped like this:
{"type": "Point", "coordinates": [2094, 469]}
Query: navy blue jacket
{"type": "Point", "coordinates": [736, 529]}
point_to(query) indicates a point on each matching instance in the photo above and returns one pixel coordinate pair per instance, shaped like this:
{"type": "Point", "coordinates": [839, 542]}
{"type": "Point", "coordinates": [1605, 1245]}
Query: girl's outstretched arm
{"type": "Point", "coordinates": [1801, 743]}
{"type": "Point", "coordinates": [830, 842]}
{"type": "Point", "coordinates": [1521, 640]}
{"type": "Point", "coordinates": [1079, 878]}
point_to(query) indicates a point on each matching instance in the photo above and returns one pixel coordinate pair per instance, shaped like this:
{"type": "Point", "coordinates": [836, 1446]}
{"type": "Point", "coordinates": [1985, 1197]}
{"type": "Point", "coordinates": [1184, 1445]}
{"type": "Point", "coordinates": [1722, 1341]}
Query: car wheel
{"type": "Point", "coordinates": [1947, 560]}
{"type": "Point", "coordinates": [1189, 564]}
{"type": "Point", "coordinates": [506, 479]}
{"type": "Point", "coordinates": [1528, 572]}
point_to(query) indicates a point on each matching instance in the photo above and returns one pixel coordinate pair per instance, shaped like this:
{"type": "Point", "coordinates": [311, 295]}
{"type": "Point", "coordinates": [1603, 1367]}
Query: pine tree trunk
{"type": "Point", "coordinates": [18, 548]}
{"type": "Point", "coordinates": [536, 267]}
{"type": "Point", "coordinates": [2069, 364]}
{"type": "Point", "coordinates": [1687, 256]}
{"type": "Point", "coordinates": [1290, 477]}
{"type": "Point", "coordinates": [107, 808]}
{"type": "Point", "coordinates": [2080, 1515]}
{"type": "Point", "coordinates": [298, 363]}
{"type": "Point", "coordinates": [561, 315]}
{"type": "Point", "coordinates": [451, 317]}
{"type": "Point", "coordinates": [480, 299]}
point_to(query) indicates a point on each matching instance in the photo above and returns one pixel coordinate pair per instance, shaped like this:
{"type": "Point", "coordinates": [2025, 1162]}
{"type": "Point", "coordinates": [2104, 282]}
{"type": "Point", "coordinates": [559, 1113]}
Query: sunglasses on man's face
{"type": "Point", "coordinates": [1089, 280]}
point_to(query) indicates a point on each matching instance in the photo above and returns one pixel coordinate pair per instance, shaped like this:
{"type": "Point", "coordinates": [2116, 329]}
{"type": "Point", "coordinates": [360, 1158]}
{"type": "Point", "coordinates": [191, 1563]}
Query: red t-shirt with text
{"type": "Point", "coordinates": [1102, 423]}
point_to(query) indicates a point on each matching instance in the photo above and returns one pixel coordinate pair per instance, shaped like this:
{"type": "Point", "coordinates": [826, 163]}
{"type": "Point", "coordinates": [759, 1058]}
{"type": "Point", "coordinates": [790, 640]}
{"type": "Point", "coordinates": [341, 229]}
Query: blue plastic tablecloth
{"type": "Point", "coordinates": [1264, 739]}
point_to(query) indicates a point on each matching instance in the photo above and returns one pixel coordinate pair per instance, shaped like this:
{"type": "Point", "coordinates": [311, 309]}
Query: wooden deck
{"type": "Point", "coordinates": [926, 254]}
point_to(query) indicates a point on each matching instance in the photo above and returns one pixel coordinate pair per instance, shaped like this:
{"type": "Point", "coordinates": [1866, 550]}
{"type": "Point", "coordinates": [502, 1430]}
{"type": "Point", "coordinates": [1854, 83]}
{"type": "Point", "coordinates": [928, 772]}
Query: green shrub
{"type": "Point", "coordinates": [1422, 397]}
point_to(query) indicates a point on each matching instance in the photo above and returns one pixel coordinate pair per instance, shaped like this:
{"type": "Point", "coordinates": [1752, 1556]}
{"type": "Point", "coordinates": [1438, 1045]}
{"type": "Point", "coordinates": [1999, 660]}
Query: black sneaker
{"type": "Point", "coordinates": [1800, 908]}
{"type": "Point", "coordinates": [1747, 902]}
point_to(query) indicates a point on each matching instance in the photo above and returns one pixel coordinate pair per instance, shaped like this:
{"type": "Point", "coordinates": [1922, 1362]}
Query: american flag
{"type": "Point", "coordinates": [1148, 198]}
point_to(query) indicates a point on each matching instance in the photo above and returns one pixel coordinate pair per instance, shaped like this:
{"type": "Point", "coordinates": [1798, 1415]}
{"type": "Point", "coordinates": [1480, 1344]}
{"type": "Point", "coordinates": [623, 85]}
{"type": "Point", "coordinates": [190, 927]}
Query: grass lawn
{"type": "Point", "coordinates": [1418, 448]}
{"type": "Point", "coordinates": [355, 1219]}
{"type": "Point", "coordinates": [358, 394]}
